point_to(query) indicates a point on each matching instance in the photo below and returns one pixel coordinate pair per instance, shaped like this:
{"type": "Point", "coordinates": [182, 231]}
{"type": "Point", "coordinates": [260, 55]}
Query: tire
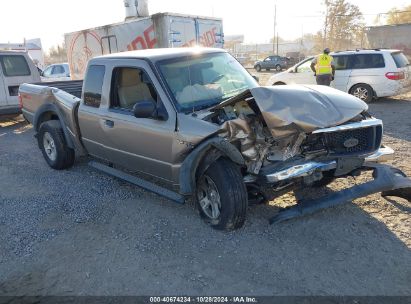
{"type": "Point", "coordinates": [223, 183]}
{"type": "Point", "coordinates": [363, 91]}
{"type": "Point", "coordinates": [53, 145]}
{"type": "Point", "coordinates": [258, 68]}
{"type": "Point", "coordinates": [278, 83]}
{"type": "Point", "coordinates": [278, 68]}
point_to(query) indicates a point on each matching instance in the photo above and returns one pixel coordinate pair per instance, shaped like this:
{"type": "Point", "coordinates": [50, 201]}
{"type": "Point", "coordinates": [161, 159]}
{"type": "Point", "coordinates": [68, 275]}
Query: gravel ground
{"type": "Point", "coordinates": [80, 232]}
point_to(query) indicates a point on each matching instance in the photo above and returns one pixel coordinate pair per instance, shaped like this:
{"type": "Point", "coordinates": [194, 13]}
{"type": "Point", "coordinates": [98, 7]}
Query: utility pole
{"type": "Point", "coordinates": [277, 45]}
{"type": "Point", "coordinates": [326, 25]}
{"type": "Point", "coordinates": [275, 22]}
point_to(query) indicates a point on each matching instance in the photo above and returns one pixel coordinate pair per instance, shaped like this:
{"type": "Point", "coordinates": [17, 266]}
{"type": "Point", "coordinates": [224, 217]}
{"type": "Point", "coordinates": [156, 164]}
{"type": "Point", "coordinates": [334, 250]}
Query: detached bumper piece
{"type": "Point", "coordinates": [388, 180]}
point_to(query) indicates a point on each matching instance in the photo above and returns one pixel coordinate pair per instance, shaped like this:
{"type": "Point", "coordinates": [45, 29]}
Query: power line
{"type": "Point", "coordinates": [348, 15]}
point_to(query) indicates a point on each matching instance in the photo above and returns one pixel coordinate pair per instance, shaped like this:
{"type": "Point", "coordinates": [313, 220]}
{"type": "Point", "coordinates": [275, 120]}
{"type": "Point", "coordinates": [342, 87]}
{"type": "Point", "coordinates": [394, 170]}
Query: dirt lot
{"type": "Point", "coordinates": [80, 232]}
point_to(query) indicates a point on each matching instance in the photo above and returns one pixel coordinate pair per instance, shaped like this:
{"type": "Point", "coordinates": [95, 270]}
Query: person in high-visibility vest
{"type": "Point", "coordinates": [323, 68]}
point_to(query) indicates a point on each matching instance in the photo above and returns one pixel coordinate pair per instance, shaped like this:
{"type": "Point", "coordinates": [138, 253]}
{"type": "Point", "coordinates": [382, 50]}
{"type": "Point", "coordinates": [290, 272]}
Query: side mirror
{"type": "Point", "coordinates": [148, 109]}
{"type": "Point", "coordinates": [256, 78]}
{"type": "Point", "coordinates": [144, 109]}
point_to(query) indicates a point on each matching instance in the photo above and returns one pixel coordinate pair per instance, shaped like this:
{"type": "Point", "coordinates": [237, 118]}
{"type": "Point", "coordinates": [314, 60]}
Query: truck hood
{"type": "Point", "coordinates": [292, 109]}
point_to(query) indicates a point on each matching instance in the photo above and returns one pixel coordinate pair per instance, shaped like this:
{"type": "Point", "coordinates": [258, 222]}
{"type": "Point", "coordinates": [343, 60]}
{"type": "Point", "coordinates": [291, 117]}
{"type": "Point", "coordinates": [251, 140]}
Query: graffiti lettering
{"type": "Point", "coordinates": [209, 38]}
{"type": "Point", "coordinates": [145, 41]}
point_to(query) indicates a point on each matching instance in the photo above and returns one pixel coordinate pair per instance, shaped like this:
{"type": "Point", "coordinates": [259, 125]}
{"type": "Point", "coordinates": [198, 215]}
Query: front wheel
{"type": "Point", "coordinates": [53, 145]}
{"type": "Point", "coordinates": [363, 92]}
{"type": "Point", "coordinates": [258, 68]}
{"type": "Point", "coordinates": [221, 196]}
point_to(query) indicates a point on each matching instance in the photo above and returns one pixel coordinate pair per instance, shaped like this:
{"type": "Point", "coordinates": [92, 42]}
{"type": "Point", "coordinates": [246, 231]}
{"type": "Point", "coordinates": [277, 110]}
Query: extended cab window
{"type": "Point", "coordinates": [130, 86]}
{"type": "Point", "coordinates": [14, 65]}
{"type": "Point", "coordinates": [367, 61]}
{"type": "Point", "coordinates": [93, 85]}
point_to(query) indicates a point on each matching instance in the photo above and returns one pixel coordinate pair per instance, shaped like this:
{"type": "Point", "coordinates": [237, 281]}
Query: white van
{"type": "Point", "coordinates": [366, 74]}
{"type": "Point", "coordinates": [15, 68]}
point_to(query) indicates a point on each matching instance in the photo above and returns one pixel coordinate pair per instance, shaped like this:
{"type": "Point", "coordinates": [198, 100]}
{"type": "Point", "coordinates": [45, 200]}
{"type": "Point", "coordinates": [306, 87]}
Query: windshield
{"type": "Point", "coordinates": [207, 79]}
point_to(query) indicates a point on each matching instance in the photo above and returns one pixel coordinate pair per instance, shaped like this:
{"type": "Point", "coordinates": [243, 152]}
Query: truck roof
{"type": "Point", "coordinates": [161, 53]}
{"type": "Point", "coordinates": [13, 51]}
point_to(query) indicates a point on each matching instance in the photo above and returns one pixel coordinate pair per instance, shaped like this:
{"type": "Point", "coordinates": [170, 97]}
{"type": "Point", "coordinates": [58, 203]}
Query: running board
{"type": "Point", "coordinates": [174, 196]}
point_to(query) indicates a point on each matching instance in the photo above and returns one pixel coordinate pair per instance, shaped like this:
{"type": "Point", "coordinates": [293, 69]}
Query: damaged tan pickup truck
{"type": "Point", "coordinates": [196, 120]}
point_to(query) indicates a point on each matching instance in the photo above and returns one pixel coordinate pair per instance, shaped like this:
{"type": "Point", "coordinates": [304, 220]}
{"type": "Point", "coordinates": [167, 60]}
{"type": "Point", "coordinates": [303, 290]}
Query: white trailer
{"type": "Point", "coordinates": [161, 30]}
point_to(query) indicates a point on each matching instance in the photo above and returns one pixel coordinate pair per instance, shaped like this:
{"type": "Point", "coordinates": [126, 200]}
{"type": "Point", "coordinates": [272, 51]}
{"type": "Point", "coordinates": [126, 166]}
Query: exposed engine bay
{"type": "Point", "coordinates": [245, 128]}
{"type": "Point", "coordinates": [267, 128]}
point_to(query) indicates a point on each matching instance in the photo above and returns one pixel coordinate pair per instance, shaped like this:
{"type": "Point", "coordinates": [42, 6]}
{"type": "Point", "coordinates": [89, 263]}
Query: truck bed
{"type": "Point", "coordinates": [72, 87]}
{"type": "Point", "coordinates": [59, 98]}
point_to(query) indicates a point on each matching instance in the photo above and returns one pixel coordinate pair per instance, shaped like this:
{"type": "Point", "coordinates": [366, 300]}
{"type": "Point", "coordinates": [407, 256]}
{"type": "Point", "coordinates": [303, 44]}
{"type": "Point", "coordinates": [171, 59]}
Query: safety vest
{"type": "Point", "coordinates": [323, 65]}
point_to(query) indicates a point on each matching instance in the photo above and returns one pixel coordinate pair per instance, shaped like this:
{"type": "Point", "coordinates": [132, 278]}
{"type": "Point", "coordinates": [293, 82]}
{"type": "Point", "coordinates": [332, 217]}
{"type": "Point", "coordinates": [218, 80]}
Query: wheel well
{"type": "Point", "coordinates": [279, 83]}
{"type": "Point", "coordinates": [362, 83]}
{"type": "Point", "coordinates": [46, 116]}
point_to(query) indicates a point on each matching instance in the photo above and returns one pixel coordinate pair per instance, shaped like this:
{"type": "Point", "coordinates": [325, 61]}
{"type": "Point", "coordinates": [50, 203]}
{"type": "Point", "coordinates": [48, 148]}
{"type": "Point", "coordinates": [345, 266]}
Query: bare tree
{"type": "Point", "coordinates": [399, 16]}
{"type": "Point", "coordinates": [343, 26]}
{"type": "Point", "coordinates": [56, 54]}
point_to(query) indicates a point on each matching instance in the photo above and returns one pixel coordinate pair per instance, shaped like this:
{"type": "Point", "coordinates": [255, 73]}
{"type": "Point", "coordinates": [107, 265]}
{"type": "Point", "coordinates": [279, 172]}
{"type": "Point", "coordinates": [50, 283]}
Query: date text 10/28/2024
{"type": "Point", "coordinates": [207, 299]}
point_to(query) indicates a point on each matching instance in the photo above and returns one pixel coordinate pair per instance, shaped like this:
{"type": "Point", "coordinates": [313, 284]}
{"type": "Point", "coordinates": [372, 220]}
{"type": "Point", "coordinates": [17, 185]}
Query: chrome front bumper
{"type": "Point", "coordinates": [383, 154]}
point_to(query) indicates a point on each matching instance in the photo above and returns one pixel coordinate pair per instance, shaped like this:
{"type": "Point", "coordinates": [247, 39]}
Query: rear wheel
{"type": "Point", "coordinates": [362, 91]}
{"type": "Point", "coordinates": [258, 68]}
{"type": "Point", "coordinates": [222, 196]}
{"type": "Point", "coordinates": [53, 145]}
{"type": "Point", "coordinates": [278, 68]}
{"type": "Point", "coordinates": [278, 83]}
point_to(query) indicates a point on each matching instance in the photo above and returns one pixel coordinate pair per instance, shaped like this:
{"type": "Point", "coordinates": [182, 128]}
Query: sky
{"type": "Point", "coordinates": [50, 19]}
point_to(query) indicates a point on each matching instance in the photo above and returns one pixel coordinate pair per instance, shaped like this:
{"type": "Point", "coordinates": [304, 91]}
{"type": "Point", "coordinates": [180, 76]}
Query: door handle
{"type": "Point", "coordinates": [109, 123]}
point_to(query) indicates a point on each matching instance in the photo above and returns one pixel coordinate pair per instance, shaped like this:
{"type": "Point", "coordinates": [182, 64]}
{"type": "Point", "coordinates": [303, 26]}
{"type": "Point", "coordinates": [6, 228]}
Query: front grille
{"type": "Point", "coordinates": [358, 141]}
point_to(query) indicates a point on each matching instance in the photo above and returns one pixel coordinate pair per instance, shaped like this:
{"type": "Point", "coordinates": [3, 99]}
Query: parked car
{"type": "Point", "coordinates": [195, 118]}
{"type": "Point", "coordinates": [16, 67]}
{"type": "Point", "coordinates": [366, 74]}
{"type": "Point", "coordinates": [56, 72]}
{"type": "Point", "coordinates": [272, 62]}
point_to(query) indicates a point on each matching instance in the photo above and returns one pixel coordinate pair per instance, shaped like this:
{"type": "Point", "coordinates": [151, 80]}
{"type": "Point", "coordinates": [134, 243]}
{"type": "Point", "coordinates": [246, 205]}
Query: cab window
{"type": "Point", "coordinates": [130, 86]}
{"type": "Point", "coordinates": [47, 72]}
{"type": "Point", "coordinates": [58, 69]}
{"type": "Point", "coordinates": [93, 85]}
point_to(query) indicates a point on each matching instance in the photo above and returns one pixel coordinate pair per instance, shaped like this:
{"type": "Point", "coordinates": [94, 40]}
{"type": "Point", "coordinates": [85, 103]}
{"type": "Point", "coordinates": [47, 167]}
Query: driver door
{"type": "Point", "coordinates": [138, 144]}
{"type": "Point", "coordinates": [265, 64]}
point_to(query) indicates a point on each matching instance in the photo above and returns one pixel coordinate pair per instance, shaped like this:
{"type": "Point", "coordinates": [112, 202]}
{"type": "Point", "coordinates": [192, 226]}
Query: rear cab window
{"type": "Point", "coordinates": [93, 85]}
{"type": "Point", "coordinates": [14, 65]}
{"type": "Point", "coordinates": [367, 61]}
{"type": "Point", "coordinates": [400, 59]}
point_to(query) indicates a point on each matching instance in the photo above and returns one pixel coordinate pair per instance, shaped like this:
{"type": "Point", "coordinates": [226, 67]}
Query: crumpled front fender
{"type": "Point", "coordinates": [191, 163]}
